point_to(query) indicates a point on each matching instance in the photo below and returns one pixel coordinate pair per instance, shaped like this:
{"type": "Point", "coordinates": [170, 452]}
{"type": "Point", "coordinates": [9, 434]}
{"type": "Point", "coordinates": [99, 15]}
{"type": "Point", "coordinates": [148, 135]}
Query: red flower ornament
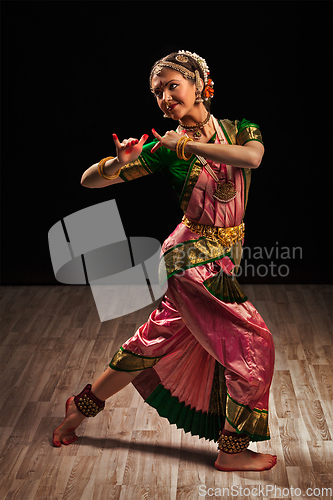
{"type": "Point", "coordinates": [208, 90]}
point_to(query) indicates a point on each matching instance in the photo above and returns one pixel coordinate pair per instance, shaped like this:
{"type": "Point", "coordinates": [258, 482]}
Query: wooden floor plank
{"type": "Point", "coordinates": [53, 343]}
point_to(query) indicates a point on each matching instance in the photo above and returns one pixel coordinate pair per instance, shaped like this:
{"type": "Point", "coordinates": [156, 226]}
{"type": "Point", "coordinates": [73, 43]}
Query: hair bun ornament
{"type": "Point", "coordinates": [182, 59]}
{"type": "Point", "coordinates": [208, 92]}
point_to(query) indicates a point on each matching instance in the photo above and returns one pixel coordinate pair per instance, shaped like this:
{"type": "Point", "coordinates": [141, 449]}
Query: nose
{"type": "Point", "coordinates": [166, 96]}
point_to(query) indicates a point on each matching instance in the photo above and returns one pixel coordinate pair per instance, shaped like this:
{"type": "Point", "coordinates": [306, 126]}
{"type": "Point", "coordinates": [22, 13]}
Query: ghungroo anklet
{"type": "Point", "coordinates": [231, 442]}
{"type": "Point", "coordinates": [87, 403]}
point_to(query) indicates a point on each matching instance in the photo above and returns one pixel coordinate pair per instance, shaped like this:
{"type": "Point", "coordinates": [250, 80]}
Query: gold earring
{"type": "Point", "coordinates": [198, 97]}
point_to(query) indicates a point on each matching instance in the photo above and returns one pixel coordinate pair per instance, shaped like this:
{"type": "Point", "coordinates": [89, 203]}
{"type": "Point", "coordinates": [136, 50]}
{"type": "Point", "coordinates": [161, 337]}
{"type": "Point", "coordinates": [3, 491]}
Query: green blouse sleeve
{"type": "Point", "coordinates": [163, 160]}
{"type": "Point", "coordinates": [247, 131]}
{"type": "Point", "coordinates": [146, 163]}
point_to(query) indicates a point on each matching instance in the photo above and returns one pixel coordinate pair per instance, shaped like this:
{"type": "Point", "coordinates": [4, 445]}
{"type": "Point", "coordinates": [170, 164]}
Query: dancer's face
{"type": "Point", "coordinates": [175, 94]}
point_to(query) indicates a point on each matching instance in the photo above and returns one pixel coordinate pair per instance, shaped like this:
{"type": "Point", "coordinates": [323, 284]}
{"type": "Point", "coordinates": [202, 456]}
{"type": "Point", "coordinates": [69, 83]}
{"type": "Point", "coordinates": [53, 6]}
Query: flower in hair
{"type": "Point", "coordinates": [208, 91]}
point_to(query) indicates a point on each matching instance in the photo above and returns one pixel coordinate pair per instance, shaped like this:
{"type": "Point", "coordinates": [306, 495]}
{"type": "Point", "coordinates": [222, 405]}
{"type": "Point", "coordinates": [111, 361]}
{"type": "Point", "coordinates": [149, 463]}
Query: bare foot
{"type": "Point", "coordinates": [65, 433]}
{"type": "Point", "coordinates": [247, 460]}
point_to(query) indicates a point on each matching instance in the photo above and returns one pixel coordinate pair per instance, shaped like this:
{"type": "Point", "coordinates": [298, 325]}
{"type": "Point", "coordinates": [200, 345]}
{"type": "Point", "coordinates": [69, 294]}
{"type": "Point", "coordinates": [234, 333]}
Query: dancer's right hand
{"type": "Point", "coordinates": [129, 149]}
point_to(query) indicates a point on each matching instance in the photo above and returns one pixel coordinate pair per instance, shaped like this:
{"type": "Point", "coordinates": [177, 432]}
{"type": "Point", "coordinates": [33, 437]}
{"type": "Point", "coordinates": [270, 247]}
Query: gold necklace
{"type": "Point", "coordinates": [196, 128]}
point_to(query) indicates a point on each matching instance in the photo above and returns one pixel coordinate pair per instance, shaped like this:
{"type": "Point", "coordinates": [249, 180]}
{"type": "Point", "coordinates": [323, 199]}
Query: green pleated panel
{"type": "Point", "coordinates": [225, 288]}
{"type": "Point", "coordinates": [198, 423]}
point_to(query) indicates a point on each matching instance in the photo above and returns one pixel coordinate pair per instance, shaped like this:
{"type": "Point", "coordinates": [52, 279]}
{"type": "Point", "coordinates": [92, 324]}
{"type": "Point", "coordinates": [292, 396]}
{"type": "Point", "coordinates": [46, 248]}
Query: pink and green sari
{"type": "Point", "coordinates": [205, 353]}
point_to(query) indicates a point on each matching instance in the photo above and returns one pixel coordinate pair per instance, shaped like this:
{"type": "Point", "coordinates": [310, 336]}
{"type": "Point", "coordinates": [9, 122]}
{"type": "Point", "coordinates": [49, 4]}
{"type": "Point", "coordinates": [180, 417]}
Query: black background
{"type": "Point", "coordinates": [75, 72]}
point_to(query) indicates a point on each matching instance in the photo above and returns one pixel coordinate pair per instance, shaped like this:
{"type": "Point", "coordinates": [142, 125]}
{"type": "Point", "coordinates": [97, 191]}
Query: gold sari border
{"type": "Point", "coordinates": [127, 361]}
{"type": "Point", "coordinates": [229, 129]}
{"type": "Point", "coordinates": [188, 254]}
{"type": "Point", "coordinates": [190, 182]}
{"type": "Point", "coordinates": [248, 134]}
{"type": "Point", "coordinates": [244, 420]}
{"type": "Point", "coordinates": [135, 169]}
{"type": "Point", "coordinates": [247, 172]}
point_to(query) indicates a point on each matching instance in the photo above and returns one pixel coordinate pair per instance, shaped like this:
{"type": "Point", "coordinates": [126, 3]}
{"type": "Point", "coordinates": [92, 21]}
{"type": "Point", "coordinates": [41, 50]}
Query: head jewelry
{"type": "Point", "coordinates": [181, 57]}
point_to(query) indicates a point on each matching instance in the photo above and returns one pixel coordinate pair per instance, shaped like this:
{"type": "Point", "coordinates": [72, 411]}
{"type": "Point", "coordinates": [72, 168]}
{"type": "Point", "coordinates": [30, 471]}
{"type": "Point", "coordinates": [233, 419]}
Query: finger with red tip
{"type": "Point", "coordinates": [156, 134]}
{"type": "Point", "coordinates": [156, 147]}
{"type": "Point", "coordinates": [143, 139]}
{"type": "Point", "coordinates": [116, 140]}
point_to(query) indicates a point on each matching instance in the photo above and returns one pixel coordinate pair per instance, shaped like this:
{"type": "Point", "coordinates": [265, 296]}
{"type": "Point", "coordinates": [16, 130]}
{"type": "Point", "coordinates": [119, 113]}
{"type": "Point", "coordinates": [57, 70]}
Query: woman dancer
{"type": "Point", "coordinates": [205, 357]}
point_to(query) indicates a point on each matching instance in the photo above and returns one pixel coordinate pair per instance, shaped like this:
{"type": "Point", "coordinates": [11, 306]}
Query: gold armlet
{"type": "Point", "coordinates": [180, 148]}
{"type": "Point", "coordinates": [101, 169]}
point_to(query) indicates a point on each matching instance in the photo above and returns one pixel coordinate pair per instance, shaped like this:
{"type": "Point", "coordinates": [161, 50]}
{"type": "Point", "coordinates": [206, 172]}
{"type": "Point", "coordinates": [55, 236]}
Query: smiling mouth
{"type": "Point", "coordinates": [170, 108]}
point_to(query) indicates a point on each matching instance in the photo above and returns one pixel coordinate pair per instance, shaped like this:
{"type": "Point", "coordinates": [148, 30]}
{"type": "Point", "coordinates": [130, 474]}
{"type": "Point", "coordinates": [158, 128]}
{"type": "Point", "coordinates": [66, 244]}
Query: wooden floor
{"type": "Point", "coordinates": [52, 344]}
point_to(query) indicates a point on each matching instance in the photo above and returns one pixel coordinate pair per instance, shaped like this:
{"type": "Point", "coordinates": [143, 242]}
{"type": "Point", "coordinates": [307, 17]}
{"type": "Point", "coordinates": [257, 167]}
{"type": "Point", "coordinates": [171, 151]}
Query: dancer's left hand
{"type": "Point", "coordinates": [169, 140]}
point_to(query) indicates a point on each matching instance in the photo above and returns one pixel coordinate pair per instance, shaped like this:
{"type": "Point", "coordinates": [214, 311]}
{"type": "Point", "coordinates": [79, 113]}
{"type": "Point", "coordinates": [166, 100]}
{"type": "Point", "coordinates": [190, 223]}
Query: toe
{"type": "Point", "coordinates": [70, 439]}
{"type": "Point", "coordinates": [55, 439]}
{"type": "Point", "coordinates": [56, 442]}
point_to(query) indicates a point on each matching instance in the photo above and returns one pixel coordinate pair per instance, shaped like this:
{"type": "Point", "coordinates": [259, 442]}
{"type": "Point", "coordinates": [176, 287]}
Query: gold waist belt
{"type": "Point", "coordinates": [227, 236]}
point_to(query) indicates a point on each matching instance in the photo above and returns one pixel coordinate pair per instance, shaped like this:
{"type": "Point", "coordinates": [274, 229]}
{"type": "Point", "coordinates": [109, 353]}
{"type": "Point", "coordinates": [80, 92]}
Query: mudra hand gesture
{"type": "Point", "coordinates": [169, 140]}
{"type": "Point", "coordinates": [129, 149]}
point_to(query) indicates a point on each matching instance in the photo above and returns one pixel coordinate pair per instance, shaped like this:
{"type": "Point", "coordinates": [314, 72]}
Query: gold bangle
{"type": "Point", "coordinates": [185, 156]}
{"type": "Point", "coordinates": [180, 144]}
{"type": "Point", "coordinates": [101, 169]}
{"type": "Point", "coordinates": [180, 149]}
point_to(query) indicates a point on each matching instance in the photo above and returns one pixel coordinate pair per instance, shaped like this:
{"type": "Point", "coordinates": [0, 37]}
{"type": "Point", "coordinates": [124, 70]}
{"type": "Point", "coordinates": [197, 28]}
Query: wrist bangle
{"type": "Point", "coordinates": [180, 149]}
{"type": "Point", "coordinates": [186, 156]}
{"type": "Point", "coordinates": [101, 169]}
{"type": "Point", "coordinates": [177, 147]}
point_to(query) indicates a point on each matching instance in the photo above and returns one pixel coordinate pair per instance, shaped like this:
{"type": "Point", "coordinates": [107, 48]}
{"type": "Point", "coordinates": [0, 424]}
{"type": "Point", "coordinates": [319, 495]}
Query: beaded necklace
{"type": "Point", "coordinates": [196, 128]}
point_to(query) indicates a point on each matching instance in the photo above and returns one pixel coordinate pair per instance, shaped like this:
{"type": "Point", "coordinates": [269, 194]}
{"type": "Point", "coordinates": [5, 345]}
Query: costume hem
{"type": "Point", "coordinates": [253, 422]}
{"type": "Point", "coordinates": [197, 422]}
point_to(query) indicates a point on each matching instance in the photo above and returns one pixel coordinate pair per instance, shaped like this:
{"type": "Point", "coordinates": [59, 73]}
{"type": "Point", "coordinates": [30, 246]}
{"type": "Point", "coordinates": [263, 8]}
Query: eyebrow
{"type": "Point", "coordinates": [172, 80]}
